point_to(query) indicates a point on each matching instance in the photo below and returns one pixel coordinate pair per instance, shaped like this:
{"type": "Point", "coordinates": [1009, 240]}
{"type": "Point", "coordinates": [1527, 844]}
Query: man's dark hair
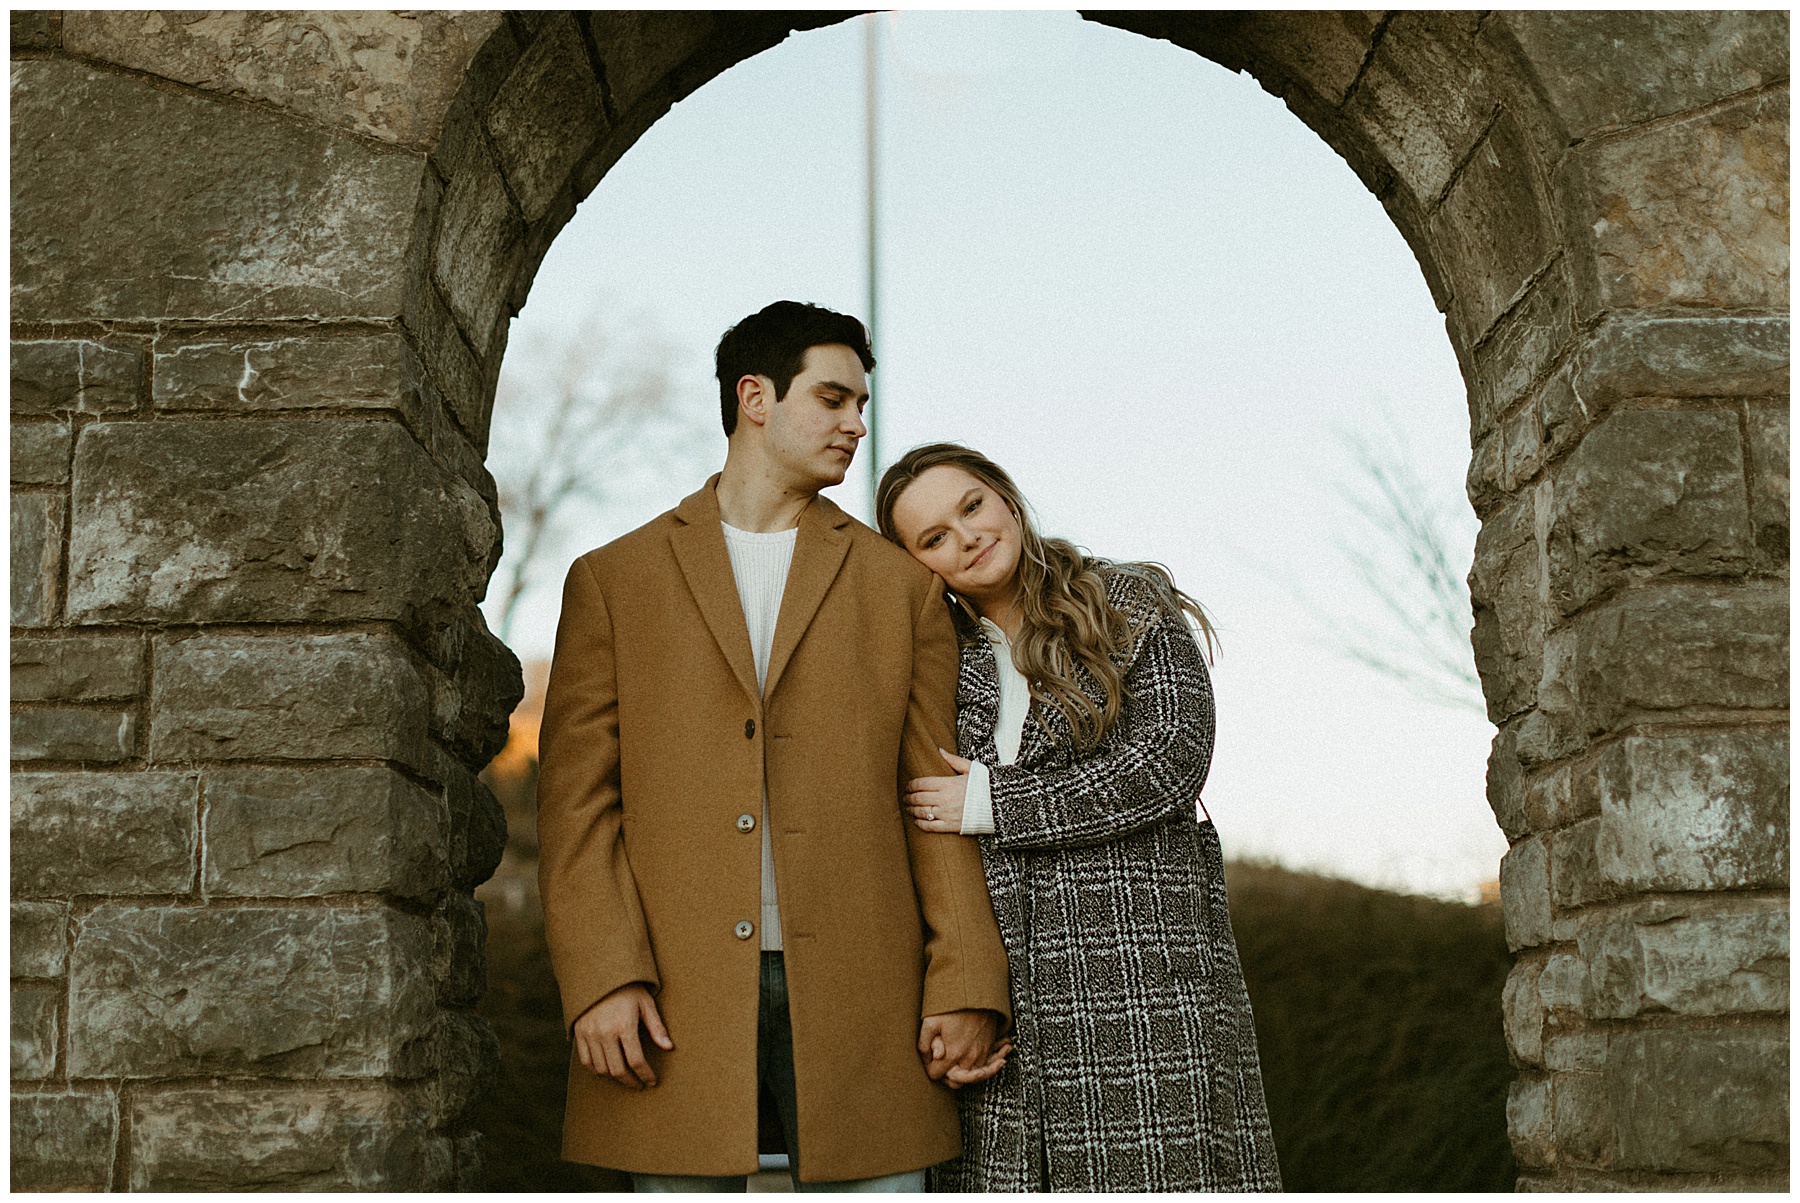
{"type": "Point", "coordinates": [773, 343]}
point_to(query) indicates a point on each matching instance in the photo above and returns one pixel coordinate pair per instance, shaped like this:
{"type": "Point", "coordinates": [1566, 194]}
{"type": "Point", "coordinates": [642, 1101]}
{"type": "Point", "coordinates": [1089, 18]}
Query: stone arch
{"type": "Point", "coordinates": [263, 269]}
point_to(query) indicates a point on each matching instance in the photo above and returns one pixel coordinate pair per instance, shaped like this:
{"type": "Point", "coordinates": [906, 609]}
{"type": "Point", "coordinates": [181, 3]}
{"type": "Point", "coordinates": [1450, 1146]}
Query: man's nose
{"type": "Point", "coordinates": [854, 425]}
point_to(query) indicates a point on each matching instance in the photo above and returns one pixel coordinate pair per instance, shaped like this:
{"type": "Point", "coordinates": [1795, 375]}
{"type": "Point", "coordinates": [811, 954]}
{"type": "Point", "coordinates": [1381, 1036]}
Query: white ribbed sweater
{"type": "Point", "coordinates": [759, 564]}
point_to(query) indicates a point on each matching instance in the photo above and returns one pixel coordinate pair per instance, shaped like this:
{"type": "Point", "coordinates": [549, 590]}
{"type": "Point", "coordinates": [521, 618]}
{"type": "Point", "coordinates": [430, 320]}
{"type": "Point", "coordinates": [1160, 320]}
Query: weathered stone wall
{"type": "Point", "coordinates": [263, 266]}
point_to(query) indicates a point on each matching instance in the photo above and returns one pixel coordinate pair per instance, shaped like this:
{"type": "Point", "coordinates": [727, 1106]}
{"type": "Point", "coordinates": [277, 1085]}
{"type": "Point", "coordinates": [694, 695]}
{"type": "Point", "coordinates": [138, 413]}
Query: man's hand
{"type": "Point", "coordinates": [958, 1046]}
{"type": "Point", "coordinates": [606, 1036]}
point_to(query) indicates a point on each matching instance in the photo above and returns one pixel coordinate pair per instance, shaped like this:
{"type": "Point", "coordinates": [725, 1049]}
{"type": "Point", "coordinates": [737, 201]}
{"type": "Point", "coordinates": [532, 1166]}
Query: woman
{"type": "Point", "coordinates": [1085, 728]}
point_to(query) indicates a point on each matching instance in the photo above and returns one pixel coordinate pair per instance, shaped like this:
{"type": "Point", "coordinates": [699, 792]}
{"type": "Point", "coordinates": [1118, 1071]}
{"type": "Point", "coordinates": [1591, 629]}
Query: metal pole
{"type": "Point", "coordinates": [871, 71]}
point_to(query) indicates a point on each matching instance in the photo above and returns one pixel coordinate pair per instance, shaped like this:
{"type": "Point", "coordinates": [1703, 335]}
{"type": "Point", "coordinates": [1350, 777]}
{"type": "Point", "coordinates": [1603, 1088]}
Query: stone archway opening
{"type": "Point", "coordinates": [261, 293]}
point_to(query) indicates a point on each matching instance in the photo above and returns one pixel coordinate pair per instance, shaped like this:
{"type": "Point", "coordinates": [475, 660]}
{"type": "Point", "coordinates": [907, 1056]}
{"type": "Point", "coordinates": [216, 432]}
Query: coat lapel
{"type": "Point", "coordinates": [819, 552]}
{"type": "Point", "coordinates": [699, 546]}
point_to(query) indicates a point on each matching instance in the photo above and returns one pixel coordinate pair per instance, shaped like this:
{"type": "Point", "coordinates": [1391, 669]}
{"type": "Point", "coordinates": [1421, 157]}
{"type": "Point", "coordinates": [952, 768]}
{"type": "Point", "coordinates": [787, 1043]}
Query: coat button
{"type": "Point", "coordinates": [744, 929]}
{"type": "Point", "coordinates": [746, 822]}
{"type": "Point", "coordinates": [749, 728]}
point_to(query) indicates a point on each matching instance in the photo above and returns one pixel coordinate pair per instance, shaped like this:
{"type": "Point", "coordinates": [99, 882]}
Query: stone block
{"type": "Point", "coordinates": [460, 929]}
{"type": "Point", "coordinates": [87, 667]}
{"type": "Point", "coordinates": [293, 833]}
{"type": "Point", "coordinates": [476, 688]}
{"type": "Point", "coordinates": [1562, 418]}
{"type": "Point", "coordinates": [1708, 1101]}
{"type": "Point", "coordinates": [1492, 230]}
{"type": "Point", "coordinates": [1694, 810]}
{"type": "Point", "coordinates": [547, 115]}
{"type": "Point", "coordinates": [242, 1136]}
{"type": "Point", "coordinates": [1523, 1009]}
{"type": "Point", "coordinates": [34, 1028]}
{"type": "Point", "coordinates": [466, 1066]}
{"type": "Point", "coordinates": [1323, 51]}
{"type": "Point", "coordinates": [40, 453]}
{"type": "Point", "coordinates": [1521, 448]}
{"type": "Point", "coordinates": [1649, 492]}
{"type": "Point", "coordinates": [39, 938]}
{"type": "Point", "coordinates": [1766, 437]}
{"type": "Point", "coordinates": [1487, 468]}
{"type": "Point", "coordinates": [305, 697]}
{"type": "Point", "coordinates": [75, 376]}
{"type": "Point", "coordinates": [1609, 68]}
{"type": "Point", "coordinates": [63, 1141]}
{"type": "Point", "coordinates": [277, 521]}
{"type": "Point", "coordinates": [37, 551]}
{"type": "Point", "coordinates": [256, 375]}
{"type": "Point", "coordinates": [1525, 893]}
{"type": "Point", "coordinates": [389, 75]}
{"type": "Point", "coordinates": [1425, 99]}
{"type": "Point", "coordinates": [1505, 787]}
{"type": "Point", "coordinates": [445, 351]}
{"type": "Point", "coordinates": [61, 733]}
{"type": "Point", "coordinates": [1549, 800]}
{"type": "Point", "coordinates": [1691, 212]}
{"type": "Point", "coordinates": [640, 48]}
{"type": "Point", "coordinates": [1583, 1120]}
{"type": "Point", "coordinates": [1659, 649]}
{"type": "Point", "coordinates": [1562, 986]}
{"type": "Point", "coordinates": [1529, 1121]}
{"type": "Point", "coordinates": [477, 822]}
{"type": "Point", "coordinates": [1505, 584]}
{"type": "Point", "coordinates": [1558, 727]}
{"type": "Point", "coordinates": [145, 202]}
{"type": "Point", "coordinates": [1698, 356]}
{"type": "Point", "coordinates": [34, 29]}
{"type": "Point", "coordinates": [318, 992]}
{"type": "Point", "coordinates": [1687, 956]}
{"type": "Point", "coordinates": [103, 833]}
{"type": "Point", "coordinates": [1522, 345]}
{"type": "Point", "coordinates": [1575, 1050]}
{"type": "Point", "coordinates": [479, 245]}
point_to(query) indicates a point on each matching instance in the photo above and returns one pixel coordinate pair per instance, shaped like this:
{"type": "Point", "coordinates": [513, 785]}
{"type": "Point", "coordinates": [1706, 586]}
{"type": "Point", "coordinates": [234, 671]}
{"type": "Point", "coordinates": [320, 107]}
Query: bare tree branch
{"type": "Point", "coordinates": [1405, 552]}
{"type": "Point", "coordinates": [579, 420]}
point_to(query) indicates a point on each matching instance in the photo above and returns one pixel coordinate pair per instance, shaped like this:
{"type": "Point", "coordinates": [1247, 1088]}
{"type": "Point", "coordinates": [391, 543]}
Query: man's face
{"type": "Point", "coordinates": [812, 432]}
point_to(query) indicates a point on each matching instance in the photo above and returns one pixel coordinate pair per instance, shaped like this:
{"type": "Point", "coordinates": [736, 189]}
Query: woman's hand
{"type": "Point", "coordinates": [936, 803]}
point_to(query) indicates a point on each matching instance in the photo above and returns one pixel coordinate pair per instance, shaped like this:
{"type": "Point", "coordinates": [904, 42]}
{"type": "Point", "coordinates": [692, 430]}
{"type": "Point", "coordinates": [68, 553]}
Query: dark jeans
{"type": "Point", "coordinates": [775, 1071]}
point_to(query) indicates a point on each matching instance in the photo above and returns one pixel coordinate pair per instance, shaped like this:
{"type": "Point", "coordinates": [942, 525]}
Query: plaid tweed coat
{"type": "Point", "coordinates": [1134, 1064]}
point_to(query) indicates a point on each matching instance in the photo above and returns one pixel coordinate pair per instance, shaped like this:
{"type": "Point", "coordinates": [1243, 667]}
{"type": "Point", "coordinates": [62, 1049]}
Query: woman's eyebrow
{"type": "Point", "coordinates": [938, 526]}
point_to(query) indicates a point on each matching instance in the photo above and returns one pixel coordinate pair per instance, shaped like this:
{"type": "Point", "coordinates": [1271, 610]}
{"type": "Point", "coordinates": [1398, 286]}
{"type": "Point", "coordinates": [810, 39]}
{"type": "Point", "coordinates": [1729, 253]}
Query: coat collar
{"type": "Point", "coordinates": [698, 541]}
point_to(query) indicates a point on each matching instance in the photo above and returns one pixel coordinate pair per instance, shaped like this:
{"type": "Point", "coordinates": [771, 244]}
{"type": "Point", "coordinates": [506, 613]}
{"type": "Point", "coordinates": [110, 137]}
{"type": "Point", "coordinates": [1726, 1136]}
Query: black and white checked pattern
{"type": "Point", "coordinates": [1134, 1064]}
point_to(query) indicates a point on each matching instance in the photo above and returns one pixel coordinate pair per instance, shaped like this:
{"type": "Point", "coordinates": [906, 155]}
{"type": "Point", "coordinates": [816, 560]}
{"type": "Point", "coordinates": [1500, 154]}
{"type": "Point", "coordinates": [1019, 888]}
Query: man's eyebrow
{"type": "Point", "coordinates": [834, 386]}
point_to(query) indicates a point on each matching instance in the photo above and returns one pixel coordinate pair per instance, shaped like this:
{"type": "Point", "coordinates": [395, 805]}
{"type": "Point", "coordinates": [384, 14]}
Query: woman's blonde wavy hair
{"type": "Point", "coordinates": [1066, 617]}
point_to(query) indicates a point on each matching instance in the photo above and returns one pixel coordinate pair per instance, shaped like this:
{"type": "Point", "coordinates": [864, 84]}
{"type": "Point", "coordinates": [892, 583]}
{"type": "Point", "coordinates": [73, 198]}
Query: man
{"type": "Point", "coordinates": [733, 898]}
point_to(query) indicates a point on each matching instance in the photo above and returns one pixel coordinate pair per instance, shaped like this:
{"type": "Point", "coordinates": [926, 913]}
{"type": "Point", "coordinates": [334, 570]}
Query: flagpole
{"type": "Point", "coordinates": [871, 70]}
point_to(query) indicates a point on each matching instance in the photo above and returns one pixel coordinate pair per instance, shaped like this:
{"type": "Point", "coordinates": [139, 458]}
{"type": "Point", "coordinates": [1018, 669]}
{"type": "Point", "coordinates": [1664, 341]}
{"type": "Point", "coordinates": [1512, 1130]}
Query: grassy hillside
{"type": "Point", "coordinates": [1377, 1015]}
{"type": "Point", "coordinates": [1378, 1022]}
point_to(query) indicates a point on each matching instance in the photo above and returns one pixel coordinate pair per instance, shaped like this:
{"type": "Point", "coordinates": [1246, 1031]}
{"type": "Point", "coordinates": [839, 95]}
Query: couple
{"type": "Point", "coordinates": [761, 764]}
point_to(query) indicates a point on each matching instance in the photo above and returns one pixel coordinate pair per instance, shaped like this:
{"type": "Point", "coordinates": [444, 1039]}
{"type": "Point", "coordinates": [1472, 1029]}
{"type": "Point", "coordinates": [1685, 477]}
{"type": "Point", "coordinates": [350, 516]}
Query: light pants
{"type": "Point", "coordinates": [775, 1068]}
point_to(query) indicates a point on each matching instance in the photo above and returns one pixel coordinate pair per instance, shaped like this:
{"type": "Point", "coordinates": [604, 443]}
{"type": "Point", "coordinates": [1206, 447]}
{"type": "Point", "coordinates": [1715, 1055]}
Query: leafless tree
{"type": "Point", "coordinates": [579, 421]}
{"type": "Point", "coordinates": [1410, 549]}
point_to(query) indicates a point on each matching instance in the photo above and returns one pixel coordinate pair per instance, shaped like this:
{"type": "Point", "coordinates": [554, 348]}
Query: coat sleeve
{"type": "Point", "coordinates": [965, 963]}
{"type": "Point", "coordinates": [593, 920]}
{"type": "Point", "coordinates": [1148, 769]}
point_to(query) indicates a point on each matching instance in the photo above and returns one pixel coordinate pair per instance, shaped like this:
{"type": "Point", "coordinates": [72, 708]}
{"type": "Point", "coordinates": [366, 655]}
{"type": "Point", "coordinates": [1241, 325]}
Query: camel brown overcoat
{"type": "Point", "coordinates": [655, 745]}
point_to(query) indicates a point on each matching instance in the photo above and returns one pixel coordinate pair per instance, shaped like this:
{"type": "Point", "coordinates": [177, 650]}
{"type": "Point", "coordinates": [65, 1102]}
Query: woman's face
{"type": "Point", "coordinates": [962, 530]}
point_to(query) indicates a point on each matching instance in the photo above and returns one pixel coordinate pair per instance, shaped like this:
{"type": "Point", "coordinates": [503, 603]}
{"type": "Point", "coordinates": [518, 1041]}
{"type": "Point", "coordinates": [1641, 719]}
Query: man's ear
{"type": "Point", "coordinates": [755, 395]}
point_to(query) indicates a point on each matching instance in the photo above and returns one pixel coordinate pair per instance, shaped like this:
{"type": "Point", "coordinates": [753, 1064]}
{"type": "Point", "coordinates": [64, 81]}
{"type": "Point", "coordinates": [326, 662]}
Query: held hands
{"type": "Point", "coordinates": [606, 1036]}
{"type": "Point", "coordinates": [936, 803]}
{"type": "Point", "coordinates": [959, 1049]}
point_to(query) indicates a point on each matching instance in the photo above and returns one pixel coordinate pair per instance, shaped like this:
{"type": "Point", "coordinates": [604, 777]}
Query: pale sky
{"type": "Point", "coordinates": [1140, 284]}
